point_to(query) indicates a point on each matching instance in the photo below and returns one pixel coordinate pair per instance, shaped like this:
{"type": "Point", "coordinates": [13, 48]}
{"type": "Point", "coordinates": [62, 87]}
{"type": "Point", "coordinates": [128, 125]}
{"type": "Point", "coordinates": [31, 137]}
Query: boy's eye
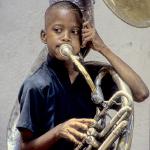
{"type": "Point", "coordinates": [76, 31]}
{"type": "Point", "coordinates": [57, 30]}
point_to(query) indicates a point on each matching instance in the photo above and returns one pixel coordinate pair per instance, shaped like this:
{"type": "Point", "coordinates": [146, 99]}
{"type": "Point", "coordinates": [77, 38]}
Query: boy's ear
{"type": "Point", "coordinates": [43, 36]}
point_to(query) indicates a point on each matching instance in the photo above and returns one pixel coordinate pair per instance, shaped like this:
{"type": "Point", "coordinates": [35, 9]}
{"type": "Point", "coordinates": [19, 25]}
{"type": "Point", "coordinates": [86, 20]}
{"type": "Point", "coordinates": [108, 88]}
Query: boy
{"type": "Point", "coordinates": [52, 98]}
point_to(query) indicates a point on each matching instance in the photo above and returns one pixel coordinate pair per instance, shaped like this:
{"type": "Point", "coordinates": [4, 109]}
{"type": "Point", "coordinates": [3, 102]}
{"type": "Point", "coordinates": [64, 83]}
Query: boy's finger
{"type": "Point", "coordinates": [83, 44]}
{"type": "Point", "coordinates": [87, 24]}
{"type": "Point", "coordinates": [84, 35]}
{"type": "Point", "coordinates": [87, 39]}
{"type": "Point", "coordinates": [80, 126]}
{"type": "Point", "coordinates": [77, 134]}
{"type": "Point", "coordinates": [71, 138]}
{"type": "Point", "coordinates": [84, 120]}
{"type": "Point", "coordinates": [85, 30]}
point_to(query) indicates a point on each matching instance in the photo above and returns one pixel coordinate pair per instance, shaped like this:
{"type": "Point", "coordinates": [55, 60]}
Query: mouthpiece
{"type": "Point", "coordinates": [66, 49]}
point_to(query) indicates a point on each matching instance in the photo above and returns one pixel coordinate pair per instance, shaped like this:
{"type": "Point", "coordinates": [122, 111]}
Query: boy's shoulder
{"type": "Point", "coordinates": [40, 79]}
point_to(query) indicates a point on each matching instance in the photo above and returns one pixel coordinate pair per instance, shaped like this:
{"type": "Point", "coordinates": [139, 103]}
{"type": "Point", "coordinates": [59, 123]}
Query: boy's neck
{"type": "Point", "coordinates": [73, 73]}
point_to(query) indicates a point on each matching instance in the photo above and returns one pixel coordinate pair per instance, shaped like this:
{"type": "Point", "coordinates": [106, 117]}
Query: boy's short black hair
{"type": "Point", "coordinates": [62, 4]}
{"type": "Point", "coordinates": [67, 5]}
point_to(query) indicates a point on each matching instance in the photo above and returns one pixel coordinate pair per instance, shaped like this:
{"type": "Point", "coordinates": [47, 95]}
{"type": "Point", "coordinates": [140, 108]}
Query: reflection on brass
{"type": "Point", "coordinates": [133, 12]}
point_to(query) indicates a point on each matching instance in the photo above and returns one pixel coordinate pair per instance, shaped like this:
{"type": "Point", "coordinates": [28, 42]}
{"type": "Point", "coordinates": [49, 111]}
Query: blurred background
{"type": "Point", "coordinates": [20, 25]}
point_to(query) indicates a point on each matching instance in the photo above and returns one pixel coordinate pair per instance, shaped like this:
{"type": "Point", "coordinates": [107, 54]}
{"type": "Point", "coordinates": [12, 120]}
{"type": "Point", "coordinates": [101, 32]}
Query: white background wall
{"type": "Point", "coordinates": [20, 25]}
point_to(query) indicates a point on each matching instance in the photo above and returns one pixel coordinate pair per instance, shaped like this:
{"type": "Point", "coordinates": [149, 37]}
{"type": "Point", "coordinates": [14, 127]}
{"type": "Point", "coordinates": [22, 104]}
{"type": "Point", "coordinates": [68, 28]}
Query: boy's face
{"type": "Point", "coordinates": [64, 26]}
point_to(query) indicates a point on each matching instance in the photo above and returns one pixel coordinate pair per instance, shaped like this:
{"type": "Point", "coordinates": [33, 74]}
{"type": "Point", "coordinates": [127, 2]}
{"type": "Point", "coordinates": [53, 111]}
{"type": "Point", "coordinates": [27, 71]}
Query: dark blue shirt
{"type": "Point", "coordinates": [47, 98]}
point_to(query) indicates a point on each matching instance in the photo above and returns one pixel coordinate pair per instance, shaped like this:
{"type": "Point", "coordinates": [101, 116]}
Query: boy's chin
{"type": "Point", "coordinates": [62, 58]}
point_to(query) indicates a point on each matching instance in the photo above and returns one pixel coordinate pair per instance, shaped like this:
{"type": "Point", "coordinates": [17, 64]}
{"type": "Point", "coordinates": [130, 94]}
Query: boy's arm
{"type": "Point", "coordinates": [73, 130]}
{"type": "Point", "coordinates": [137, 86]}
{"type": "Point", "coordinates": [43, 142]}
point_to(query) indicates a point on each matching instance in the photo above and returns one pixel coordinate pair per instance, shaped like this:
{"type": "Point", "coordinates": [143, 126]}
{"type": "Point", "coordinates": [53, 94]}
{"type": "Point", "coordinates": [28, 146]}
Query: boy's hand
{"type": "Point", "coordinates": [75, 130]}
{"type": "Point", "coordinates": [91, 38]}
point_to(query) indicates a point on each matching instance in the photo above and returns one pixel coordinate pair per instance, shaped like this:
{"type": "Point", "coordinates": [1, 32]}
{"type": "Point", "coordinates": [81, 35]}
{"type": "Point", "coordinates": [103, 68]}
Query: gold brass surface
{"type": "Point", "coordinates": [133, 12]}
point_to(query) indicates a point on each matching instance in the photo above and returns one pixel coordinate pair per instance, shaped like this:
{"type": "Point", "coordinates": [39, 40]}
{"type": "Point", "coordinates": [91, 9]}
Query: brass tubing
{"type": "Point", "coordinates": [84, 72]}
{"type": "Point", "coordinates": [113, 136]}
{"type": "Point", "coordinates": [125, 110]}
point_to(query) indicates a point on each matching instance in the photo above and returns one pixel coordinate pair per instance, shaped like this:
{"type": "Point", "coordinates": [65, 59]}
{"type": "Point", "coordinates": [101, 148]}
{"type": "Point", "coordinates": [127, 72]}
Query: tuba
{"type": "Point", "coordinates": [115, 133]}
{"type": "Point", "coordinates": [102, 135]}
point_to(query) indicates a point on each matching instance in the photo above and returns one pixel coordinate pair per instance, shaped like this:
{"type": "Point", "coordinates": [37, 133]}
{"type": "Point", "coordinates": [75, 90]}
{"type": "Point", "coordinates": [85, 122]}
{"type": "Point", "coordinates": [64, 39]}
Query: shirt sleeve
{"type": "Point", "coordinates": [31, 105]}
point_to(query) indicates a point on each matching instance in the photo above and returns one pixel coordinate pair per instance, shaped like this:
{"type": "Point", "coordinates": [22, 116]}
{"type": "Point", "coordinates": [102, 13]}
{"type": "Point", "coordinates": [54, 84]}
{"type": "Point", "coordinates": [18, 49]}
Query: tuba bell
{"type": "Point", "coordinates": [133, 12]}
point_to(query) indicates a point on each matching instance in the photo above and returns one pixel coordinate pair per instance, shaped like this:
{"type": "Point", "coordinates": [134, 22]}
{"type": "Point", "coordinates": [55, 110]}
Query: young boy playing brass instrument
{"type": "Point", "coordinates": [56, 109]}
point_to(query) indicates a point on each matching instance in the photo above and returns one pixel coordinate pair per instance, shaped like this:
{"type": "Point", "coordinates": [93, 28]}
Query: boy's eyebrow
{"type": "Point", "coordinates": [74, 26]}
{"type": "Point", "coordinates": [57, 24]}
{"type": "Point", "coordinates": [78, 27]}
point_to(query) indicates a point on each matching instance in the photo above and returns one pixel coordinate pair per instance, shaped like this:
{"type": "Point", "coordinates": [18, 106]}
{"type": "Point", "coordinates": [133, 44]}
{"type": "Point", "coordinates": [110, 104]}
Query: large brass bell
{"type": "Point", "coordinates": [133, 12]}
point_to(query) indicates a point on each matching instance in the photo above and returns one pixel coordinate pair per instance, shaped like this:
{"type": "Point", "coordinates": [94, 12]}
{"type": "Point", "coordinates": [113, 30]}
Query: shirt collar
{"type": "Point", "coordinates": [56, 65]}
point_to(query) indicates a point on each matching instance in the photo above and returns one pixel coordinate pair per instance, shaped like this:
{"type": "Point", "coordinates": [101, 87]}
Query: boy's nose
{"type": "Point", "coordinates": [66, 37]}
